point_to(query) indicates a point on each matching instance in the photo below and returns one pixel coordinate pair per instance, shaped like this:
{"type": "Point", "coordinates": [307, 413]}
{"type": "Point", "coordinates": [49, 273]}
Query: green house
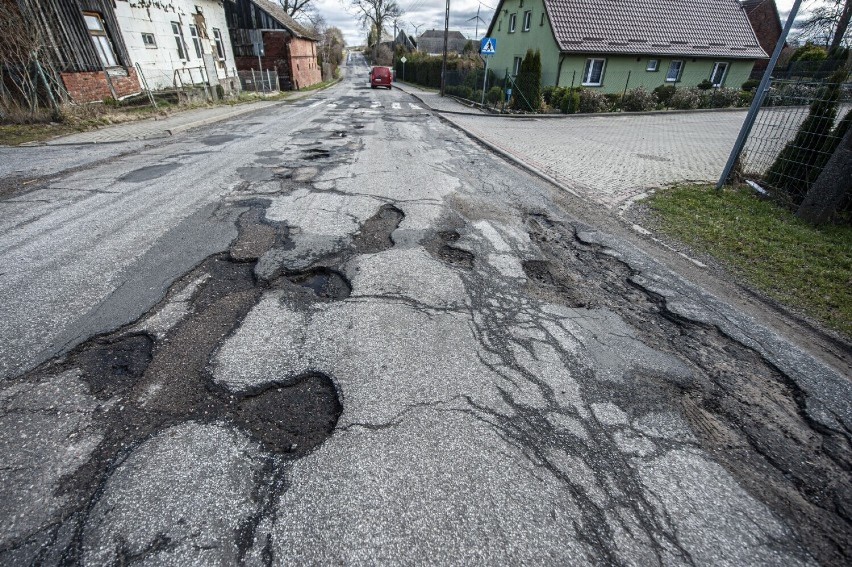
{"type": "Point", "coordinates": [613, 45]}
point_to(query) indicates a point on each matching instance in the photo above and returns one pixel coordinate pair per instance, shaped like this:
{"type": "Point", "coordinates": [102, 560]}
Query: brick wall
{"type": "Point", "coordinates": [92, 86]}
{"type": "Point", "coordinates": [303, 59]}
{"type": "Point", "coordinates": [294, 58]}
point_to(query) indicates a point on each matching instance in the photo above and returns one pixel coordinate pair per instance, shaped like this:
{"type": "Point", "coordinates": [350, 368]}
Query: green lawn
{"type": "Point", "coordinates": [807, 268]}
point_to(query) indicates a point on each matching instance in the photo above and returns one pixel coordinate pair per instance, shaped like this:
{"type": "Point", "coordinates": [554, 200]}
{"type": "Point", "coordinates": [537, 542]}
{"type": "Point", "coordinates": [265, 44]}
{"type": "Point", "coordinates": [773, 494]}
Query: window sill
{"type": "Point", "coordinates": [590, 84]}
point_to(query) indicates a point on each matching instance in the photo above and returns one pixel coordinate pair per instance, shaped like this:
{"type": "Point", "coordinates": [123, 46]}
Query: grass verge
{"type": "Point", "coordinates": [805, 267]}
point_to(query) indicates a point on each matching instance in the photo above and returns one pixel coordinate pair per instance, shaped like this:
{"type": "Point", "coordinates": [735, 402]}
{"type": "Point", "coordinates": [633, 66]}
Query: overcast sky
{"type": "Point", "coordinates": [429, 14]}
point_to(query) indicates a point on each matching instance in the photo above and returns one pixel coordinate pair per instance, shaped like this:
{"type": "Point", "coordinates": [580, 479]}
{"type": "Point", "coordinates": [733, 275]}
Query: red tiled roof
{"type": "Point", "coordinates": [715, 28]}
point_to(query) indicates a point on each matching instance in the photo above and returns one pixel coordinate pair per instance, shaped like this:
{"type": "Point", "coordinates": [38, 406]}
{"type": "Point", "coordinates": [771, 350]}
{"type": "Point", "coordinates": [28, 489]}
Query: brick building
{"type": "Point", "coordinates": [766, 23]}
{"type": "Point", "coordinates": [264, 37]}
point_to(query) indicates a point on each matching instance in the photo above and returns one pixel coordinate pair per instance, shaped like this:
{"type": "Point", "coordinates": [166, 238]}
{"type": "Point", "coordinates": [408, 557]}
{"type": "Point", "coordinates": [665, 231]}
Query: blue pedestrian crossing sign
{"type": "Point", "coordinates": [488, 46]}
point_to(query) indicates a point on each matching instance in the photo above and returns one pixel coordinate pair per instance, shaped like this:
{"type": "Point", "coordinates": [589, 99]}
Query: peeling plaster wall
{"type": "Point", "coordinates": [155, 17]}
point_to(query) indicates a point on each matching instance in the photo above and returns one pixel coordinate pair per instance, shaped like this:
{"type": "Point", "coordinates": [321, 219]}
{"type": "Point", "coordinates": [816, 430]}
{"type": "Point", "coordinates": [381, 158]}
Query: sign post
{"type": "Point", "coordinates": [403, 60]}
{"type": "Point", "coordinates": [487, 48]}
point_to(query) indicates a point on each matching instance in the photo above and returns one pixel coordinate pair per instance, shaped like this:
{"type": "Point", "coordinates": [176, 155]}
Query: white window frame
{"type": "Point", "coordinates": [220, 44]}
{"type": "Point", "coordinates": [177, 32]}
{"type": "Point", "coordinates": [676, 78]}
{"type": "Point", "coordinates": [516, 66]}
{"type": "Point", "coordinates": [103, 46]}
{"type": "Point", "coordinates": [724, 73]}
{"type": "Point", "coordinates": [527, 20]}
{"type": "Point", "coordinates": [196, 41]}
{"type": "Point", "coordinates": [653, 65]}
{"type": "Point", "coordinates": [149, 40]}
{"type": "Point", "coordinates": [588, 71]}
{"type": "Point", "coordinates": [512, 22]}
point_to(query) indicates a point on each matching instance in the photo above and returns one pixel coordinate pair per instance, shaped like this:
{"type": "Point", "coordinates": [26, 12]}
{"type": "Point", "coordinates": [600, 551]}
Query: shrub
{"type": "Point", "coordinates": [637, 100]}
{"type": "Point", "coordinates": [791, 94]}
{"type": "Point", "coordinates": [547, 94]}
{"type": "Point", "coordinates": [528, 83]}
{"type": "Point", "coordinates": [705, 85]}
{"type": "Point", "coordinates": [494, 95]}
{"type": "Point", "coordinates": [810, 52]}
{"type": "Point", "coordinates": [744, 98]}
{"type": "Point", "coordinates": [750, 85]}
{"type": "Point", "coordinates": [477, 95]}
{"type": "Point", "coordinates": [685, 99]}
{"type": "Point", "coordinates": [570, 102]}
{"type": "Point", "coordinates": [664, 93]}
{"type": "Point", "coordinates": [591, 101]}
{"type": "Point", "coordinates": [722, 98]}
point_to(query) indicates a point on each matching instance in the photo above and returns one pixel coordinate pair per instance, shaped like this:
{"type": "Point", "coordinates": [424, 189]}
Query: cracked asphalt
{"type": "Point", "coordinates": [340, 331]}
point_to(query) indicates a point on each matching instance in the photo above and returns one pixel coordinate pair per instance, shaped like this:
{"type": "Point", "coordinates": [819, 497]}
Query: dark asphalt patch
{"type": "Point", "coordinates": [149, 173]}
{"type": "Point", "coordinates": [160, 383]}
{"type": "Point", "coordinates": [219, 139]}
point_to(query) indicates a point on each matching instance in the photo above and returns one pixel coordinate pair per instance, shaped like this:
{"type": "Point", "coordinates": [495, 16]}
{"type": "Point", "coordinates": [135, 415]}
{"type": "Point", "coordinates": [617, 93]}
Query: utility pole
{"type": "Point", "coordinates": [444, 62]}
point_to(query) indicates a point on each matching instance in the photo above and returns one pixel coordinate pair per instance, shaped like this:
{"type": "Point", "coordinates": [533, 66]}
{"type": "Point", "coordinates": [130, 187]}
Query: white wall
{"type": "Point", "coordinates": [136, 17]}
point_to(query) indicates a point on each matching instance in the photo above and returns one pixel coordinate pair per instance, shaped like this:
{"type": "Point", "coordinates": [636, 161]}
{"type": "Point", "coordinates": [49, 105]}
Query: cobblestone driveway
{"type": "Point", "coordinates": [610, 159]}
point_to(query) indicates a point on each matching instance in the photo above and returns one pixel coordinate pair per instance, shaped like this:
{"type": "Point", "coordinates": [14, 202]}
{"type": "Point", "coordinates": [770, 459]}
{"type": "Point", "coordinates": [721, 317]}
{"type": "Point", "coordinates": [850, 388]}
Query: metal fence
{"type": "Point", "coordinates": [799, 126]}
{"type": "Point", "coordinates": [266, 81]}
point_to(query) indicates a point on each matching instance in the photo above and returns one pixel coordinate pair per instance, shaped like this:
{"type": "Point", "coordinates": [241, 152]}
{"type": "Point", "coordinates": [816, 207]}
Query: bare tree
{"type": "Point", "coordinates": [297, 8]}
{"type": "Point", "coordinates": [376, 13]}
{"type": "Point", "coordinates": [26, 72]}
{"type": "Point", "coordinates": [828, 24]}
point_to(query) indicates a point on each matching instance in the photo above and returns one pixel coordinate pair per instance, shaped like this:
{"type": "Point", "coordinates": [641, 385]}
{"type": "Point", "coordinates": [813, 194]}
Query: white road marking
{"type": "Point", "coordinates": [396, 106]}
{"type": "Point", "coordinates": [317, 103]}
{"type": "Point", "coordinates": [414, 106]}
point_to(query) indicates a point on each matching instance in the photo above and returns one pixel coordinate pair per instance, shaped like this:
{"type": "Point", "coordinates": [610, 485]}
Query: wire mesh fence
{"type": "Point", "coordinates": [265, 81]}
{"type": "Point", "coordinates": [798, 128]}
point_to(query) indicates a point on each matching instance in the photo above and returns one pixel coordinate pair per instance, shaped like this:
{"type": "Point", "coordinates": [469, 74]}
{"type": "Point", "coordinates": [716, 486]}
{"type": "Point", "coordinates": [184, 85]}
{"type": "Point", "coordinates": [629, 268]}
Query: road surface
{"type": "Point", "coordinates": [340, 331]}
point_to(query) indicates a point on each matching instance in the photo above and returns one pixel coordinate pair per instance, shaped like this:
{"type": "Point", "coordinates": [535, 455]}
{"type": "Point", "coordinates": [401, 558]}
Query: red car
{"type": "Point", "coordinates": [380, 77]}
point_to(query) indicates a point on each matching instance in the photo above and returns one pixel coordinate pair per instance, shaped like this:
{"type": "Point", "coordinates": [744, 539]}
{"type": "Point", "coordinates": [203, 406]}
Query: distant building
{"type": "Point", "coordinates": [766, 23]}
{"type": "Point", "coordinates": [432, 42]}
{"type": "Point", "coordinates": [609, 46]}
{"type": "Point", "coordinates": [265, 38]}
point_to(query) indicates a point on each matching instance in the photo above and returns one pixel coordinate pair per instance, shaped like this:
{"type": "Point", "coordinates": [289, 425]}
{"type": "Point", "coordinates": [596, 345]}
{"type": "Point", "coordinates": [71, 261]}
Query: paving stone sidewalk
{"type": "Point", "coordinates": [606, 158]}
{"type": "Point", "coordinates": [435, 101]}
{"type": "Point", "coordinates": [161, 127]}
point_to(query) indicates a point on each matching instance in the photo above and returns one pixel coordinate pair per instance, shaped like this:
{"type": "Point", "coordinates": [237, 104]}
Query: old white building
{"type": "Point", "coordinates": [177, 41]}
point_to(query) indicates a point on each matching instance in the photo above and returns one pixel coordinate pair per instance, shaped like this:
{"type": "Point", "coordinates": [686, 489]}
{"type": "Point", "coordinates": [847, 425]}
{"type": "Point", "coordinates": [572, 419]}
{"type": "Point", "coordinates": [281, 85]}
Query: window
{"type": "Point", "coordinates": [717, 77]}
{"type": "Point", "coordinates": [512, 18]}
{"type": "Point", "coordinates": [593, 73]}
{"type": "Point", "coordinates": [196, 41]}
{"type": "Point", "coordinates": [527, 20]}
{"type": "Point", "coordinates": [653, 65]}
{"type": "Point", "coordinates": [517, 66]}
{"type": "Point", "coordinates": [675, 69]}
{"type": "Point", "coordinates": [220, 45]}
{"type": "Point", "coordinates": [97, 31]}
{"type": "Point", "coordinates": [181, 45]}
{"type": "Point", "coordinates": [149, 41]}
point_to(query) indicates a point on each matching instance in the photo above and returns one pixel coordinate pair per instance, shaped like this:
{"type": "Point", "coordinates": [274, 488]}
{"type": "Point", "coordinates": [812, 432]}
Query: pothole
{"type": "Point", "coordinates": [292, 417]}
{"type": "Point", "coordinates": [316, 153]}
{"type": "Point", "coordinates": [439, 246]}
{"type": "Point", "coordinates": [218, 139]}
{"type": "Point", "coordinates": [554, 283]}
{"type": "Point", "coordinates": [375, 233]}
{"type": "Point", "coordinates": [323, 282]}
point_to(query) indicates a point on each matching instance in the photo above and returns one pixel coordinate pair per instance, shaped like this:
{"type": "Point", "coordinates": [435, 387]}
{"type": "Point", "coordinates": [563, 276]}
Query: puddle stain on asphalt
{"type": "Point", "coordinates": [149, 173]}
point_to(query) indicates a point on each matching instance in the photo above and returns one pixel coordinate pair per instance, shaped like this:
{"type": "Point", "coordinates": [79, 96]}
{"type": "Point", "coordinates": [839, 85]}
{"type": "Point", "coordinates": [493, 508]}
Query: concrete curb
{"type": "Point", "coordinates": [512, 158]}
{"type": "Point", "coordinates": [213, 119]}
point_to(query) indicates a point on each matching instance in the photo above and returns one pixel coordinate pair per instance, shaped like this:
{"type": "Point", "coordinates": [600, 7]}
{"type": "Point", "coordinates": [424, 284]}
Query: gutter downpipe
{"type": "Point", "coordinates": [559, 68]}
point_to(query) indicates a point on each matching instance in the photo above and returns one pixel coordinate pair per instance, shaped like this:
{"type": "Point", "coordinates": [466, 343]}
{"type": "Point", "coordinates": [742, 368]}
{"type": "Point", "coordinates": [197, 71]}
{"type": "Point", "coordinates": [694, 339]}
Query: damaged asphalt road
{"type": "Point", "coordinates": [342, 332]}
